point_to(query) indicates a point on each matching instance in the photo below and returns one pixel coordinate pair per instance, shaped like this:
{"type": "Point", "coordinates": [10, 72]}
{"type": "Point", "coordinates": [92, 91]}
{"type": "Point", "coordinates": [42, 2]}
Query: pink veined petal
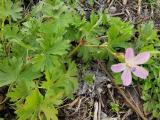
{"type": "Point", "coordinates": [118, 67]}
{"type": "Point", "coordinates": [140, 72]}
{"type": "Point", "coordinates": [129, 54]}
{"type": "Point", "coordinates": [126, 77]}
{"type": "Point", "coordinates": [142, 58]}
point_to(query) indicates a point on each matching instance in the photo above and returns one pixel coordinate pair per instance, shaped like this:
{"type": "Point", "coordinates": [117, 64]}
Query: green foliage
{"type": "Point", "coordinates": [31, 106]}
{"type": "Point", "coordinates": [119, 33]}
{"type": "Point", "coordinates": [36, 54]}
{"type": "Point", "coordinates": [36, 48]}
{"type": "Point", "coordinates": [114, 107]}
{"type": "Point", "coordinates": [11, 10]}
{"type": "Point", "coordinates": [147, 37]}
{"type": "Point", "coordinates": [151, 1]}
{"type": "Point", "coordinates": [13, 70]}
{"type": "Point", "coordinates": [90, 31]}
{"type": "Point", "coordinates": [148, 40]}
{"type": "Point", "coordinates": [89, 78]}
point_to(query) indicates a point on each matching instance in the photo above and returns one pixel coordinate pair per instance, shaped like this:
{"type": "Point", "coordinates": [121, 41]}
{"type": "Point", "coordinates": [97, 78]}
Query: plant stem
{"type": "Point", "coordinates": [99, 46]}
{"type": "Point", "coordinates": [154, 52]}
{"type": "Point", "coordinates": [102, 46]}
{"type": "Point", "coordinates": [74, 50]}
{"type": "Point", "coordinates": [3, 19]}
{"type": "Point", "coordinates": [97, 23]}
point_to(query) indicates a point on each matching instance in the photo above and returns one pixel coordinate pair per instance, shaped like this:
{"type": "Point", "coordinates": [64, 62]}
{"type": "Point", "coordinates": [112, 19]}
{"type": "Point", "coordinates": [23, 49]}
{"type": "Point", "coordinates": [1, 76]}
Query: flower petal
{"type": "Point", "coordinates": [142, 58]}
{"type": "Point", "coordinates": [129, 54]}
{"type": "Point", "coordinates": [126, 77]}
{"type": "Point", "coordinates": [140, 72]}
{"type": "Point", "coordinates": [118, 67]}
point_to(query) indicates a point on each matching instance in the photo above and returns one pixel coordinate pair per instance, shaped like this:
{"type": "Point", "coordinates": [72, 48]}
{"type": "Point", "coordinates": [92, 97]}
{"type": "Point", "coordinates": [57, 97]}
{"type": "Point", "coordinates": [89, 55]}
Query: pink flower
{"type": "Point", "coordinates": [131, 65]}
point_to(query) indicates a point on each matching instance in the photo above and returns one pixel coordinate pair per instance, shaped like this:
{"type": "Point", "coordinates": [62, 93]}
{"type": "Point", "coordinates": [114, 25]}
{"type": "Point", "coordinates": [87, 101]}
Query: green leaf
{"type": "Point", "coordinates": [51, 49]}
{"type": "Point", "coordinates": [119, 33]}
{"type": "Point", "coordinates": [12, 10]}
{"type": "Point", "coordinates": [59, 47]}
{"type": "Point", "coordinates": [117, 79]}
{"type": "Point", "coordinates": [147, 85]}
{"type": "Point", "coordinates": [11, 32]}
{"type": "Point", "coordinates": [71, 79]}
{"type": "Point", "coordinates": [19, 92]}
{"type": "Point", "coordinates": [30, 109]}
{"type": "Point", "coordinates": [14, 69]}
{"type": "Point", "coordinates": [49, 8]}
{"type": "Point", "coordinates": [58, 78]}
{"type": "Point", "coordinates": [43, 62]}
{"type": "Point", "coordinates": [22, 44]}
{"type": "Point", "coordinates": [148, 36]}
{"type": "Point", "coordinates": [114, 107]}
{"type": "Point", "coordinates": [9, 71]}
{"type": "Point", "coordinates": [89, 78]}
{"type": "Point", "coordinates": [50, 113]}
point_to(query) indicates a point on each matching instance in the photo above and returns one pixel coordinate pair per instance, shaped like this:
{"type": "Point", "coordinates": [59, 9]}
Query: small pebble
{"type": "Point", "coordinates": [112, 10]}
{"type": "Point", "coordinates": [109, 86]}
{"type": "Point", "coordinates": [99, 90]}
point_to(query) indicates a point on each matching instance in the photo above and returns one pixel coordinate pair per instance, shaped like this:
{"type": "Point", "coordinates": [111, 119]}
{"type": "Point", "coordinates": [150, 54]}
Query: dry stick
{"type": "Point", "coordinates": [79, 104]}
{"type": "Point", "coordinates": [134, 101]}
{"type": "Point", "coordinates": [74, 102]}
{"type": "Point", "coordinates": [113, 101]}
{"type": "Point", "coordinates": [99, 111]}
{"type": "Point", "coordinates": [122, 93]}
{"type": "Point", "coordinates": [139, 7]}
{"type": "Point", "coordinates": [70, 104]}
{"type": "Point", "coordinates": [129, 112]}
{"type": "Point", "coordinates": [95, 111]}
{"type": "Point", "coordinates": [111, 3]}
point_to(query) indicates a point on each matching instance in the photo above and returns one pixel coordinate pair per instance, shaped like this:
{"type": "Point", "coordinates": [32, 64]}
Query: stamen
{"type": "Point", "coordinates": [133, 69]}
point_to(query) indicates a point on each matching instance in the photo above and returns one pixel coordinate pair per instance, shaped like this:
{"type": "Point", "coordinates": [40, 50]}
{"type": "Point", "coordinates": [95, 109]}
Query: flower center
{"type": "Point", "coordinates": [130, 64]}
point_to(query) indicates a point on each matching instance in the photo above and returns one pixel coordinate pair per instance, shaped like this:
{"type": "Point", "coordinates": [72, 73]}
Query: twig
{"type": "Point", "coordinates": [111, 95]}
{"type": "Point", "coordinates": [134, 101]}
{"type": "Point", "coordinates": [128, 13]}
{"type": "Point", "coordinates": [139, 7]}
{"type": "Point", "coordinates": [117, 14]}
{"type": "Point", "coordinates": [113, 100]}
{"type": "Point", "coordinates": [100, 97]}
{"type": "Point", "coordinates": [79, 104]}
{"type": "Point", "coordinates": [99, 110]}
{"type": "Point", "coordinates": [95, 110]}
{"type": "Point", "coordinates": [74, 102]}
{"type": "Point", "coordinates": [111, 2]}
{"type": "Point", "coordinates": [70, 104]}
{"type": "Point", "coordinates": [122, 93]}
{"type": "Point", "coordinates": [129, 112]}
